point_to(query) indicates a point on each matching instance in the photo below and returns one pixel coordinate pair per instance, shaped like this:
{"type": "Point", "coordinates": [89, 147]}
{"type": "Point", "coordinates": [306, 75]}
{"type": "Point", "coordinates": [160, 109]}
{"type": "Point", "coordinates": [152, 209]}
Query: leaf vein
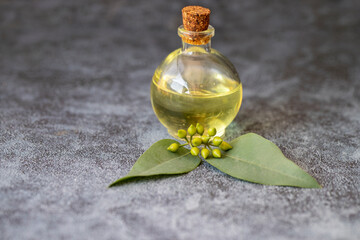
{"type": "Point", "coordinates": [269, 169]}
{"type": "Point", "coordinates": [156, 166]}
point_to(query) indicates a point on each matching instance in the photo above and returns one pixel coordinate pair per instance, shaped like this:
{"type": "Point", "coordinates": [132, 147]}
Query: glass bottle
{"type": "Point", "coordinates": [196, 84]}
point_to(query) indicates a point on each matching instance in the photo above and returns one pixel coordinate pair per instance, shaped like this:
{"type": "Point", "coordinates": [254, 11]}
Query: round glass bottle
{"type": "Point", "coordinates": [196, 84]}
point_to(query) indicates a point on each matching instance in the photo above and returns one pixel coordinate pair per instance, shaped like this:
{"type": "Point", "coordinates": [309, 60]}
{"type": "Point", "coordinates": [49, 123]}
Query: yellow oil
{"type": "Point", "coordinates": [208, 98]}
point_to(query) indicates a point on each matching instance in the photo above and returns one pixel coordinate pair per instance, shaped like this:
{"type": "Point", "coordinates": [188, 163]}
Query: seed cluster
{"type": "Point", "coordinates": [208, 142]}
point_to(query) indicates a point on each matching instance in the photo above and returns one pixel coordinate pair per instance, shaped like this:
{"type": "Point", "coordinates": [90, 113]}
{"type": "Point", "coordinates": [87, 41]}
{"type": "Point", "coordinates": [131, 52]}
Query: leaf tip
{"type": "Point", "coordinates": [117, 182]}
{"type": "Point", "coordinates": [316, 185]}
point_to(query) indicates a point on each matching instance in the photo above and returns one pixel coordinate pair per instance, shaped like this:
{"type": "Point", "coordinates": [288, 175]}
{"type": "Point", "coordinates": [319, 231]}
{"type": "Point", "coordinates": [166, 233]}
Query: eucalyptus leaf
{"type": "Point", "coordinates": [256, 159]}
{"type": "Point", "coordinates": [157, 160]}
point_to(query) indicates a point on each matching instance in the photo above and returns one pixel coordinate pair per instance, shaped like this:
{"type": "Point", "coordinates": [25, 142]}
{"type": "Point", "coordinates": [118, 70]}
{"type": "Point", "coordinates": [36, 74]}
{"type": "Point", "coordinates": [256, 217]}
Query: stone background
{"type": "Point", "coordinates": [75, 114]}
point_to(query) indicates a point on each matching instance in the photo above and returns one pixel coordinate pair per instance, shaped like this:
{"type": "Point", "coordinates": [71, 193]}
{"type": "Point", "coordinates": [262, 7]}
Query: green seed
{"type": "Point", "coordinates": [205, 139]}
{"type": "Point", "coordinates": [173, 147]}
{"type": "Point", "coordinates": [212, 131]}
{"type": "Point", "coordinates": [192, 130]}
{"type": "Point", "coordinates": [181, 133]}
{"type": "Point", "coordinates": [216, 153]}
{"type": "Point", "coordinates": [196, 141]}
{"type": "Point", "coordinates": [194, 151]}
{"type": "Point", "coordinates": [225, 146]}
{"type": "Point", "coordinates": [205, 153]}
{"type": "Point", "coordinates": [217, 141]}
{"type": "Point", "coordinates": [199, 128]}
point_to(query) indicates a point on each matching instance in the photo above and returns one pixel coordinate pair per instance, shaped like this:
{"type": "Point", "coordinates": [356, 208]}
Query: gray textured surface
{"type": "Point", "coordinates": [75, 114]}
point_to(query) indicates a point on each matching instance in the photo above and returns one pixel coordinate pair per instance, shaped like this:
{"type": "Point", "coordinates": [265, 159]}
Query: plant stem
{"type": "Point", "coordinates": [188, 142]}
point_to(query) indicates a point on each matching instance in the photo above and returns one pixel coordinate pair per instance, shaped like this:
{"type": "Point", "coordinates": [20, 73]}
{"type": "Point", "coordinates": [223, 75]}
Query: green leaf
{"type": "Point", "coordinates": [256, 159]}
{"type": "Point", "coordinates": [157, 160]}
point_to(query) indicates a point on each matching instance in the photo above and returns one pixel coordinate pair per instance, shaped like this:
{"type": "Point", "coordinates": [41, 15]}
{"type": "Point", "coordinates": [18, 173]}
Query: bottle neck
{"type": "Point", "coordinates": [198, 40]}
{"type": "Point", "coordinates": [186, 47]}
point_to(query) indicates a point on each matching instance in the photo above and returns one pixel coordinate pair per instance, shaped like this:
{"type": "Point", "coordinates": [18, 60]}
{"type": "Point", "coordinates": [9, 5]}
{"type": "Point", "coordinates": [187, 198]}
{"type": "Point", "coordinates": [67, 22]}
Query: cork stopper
{"type": "Point", "coordinates": [196, 18]}
{"type": "Point", "coordinates": [196, 29]}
